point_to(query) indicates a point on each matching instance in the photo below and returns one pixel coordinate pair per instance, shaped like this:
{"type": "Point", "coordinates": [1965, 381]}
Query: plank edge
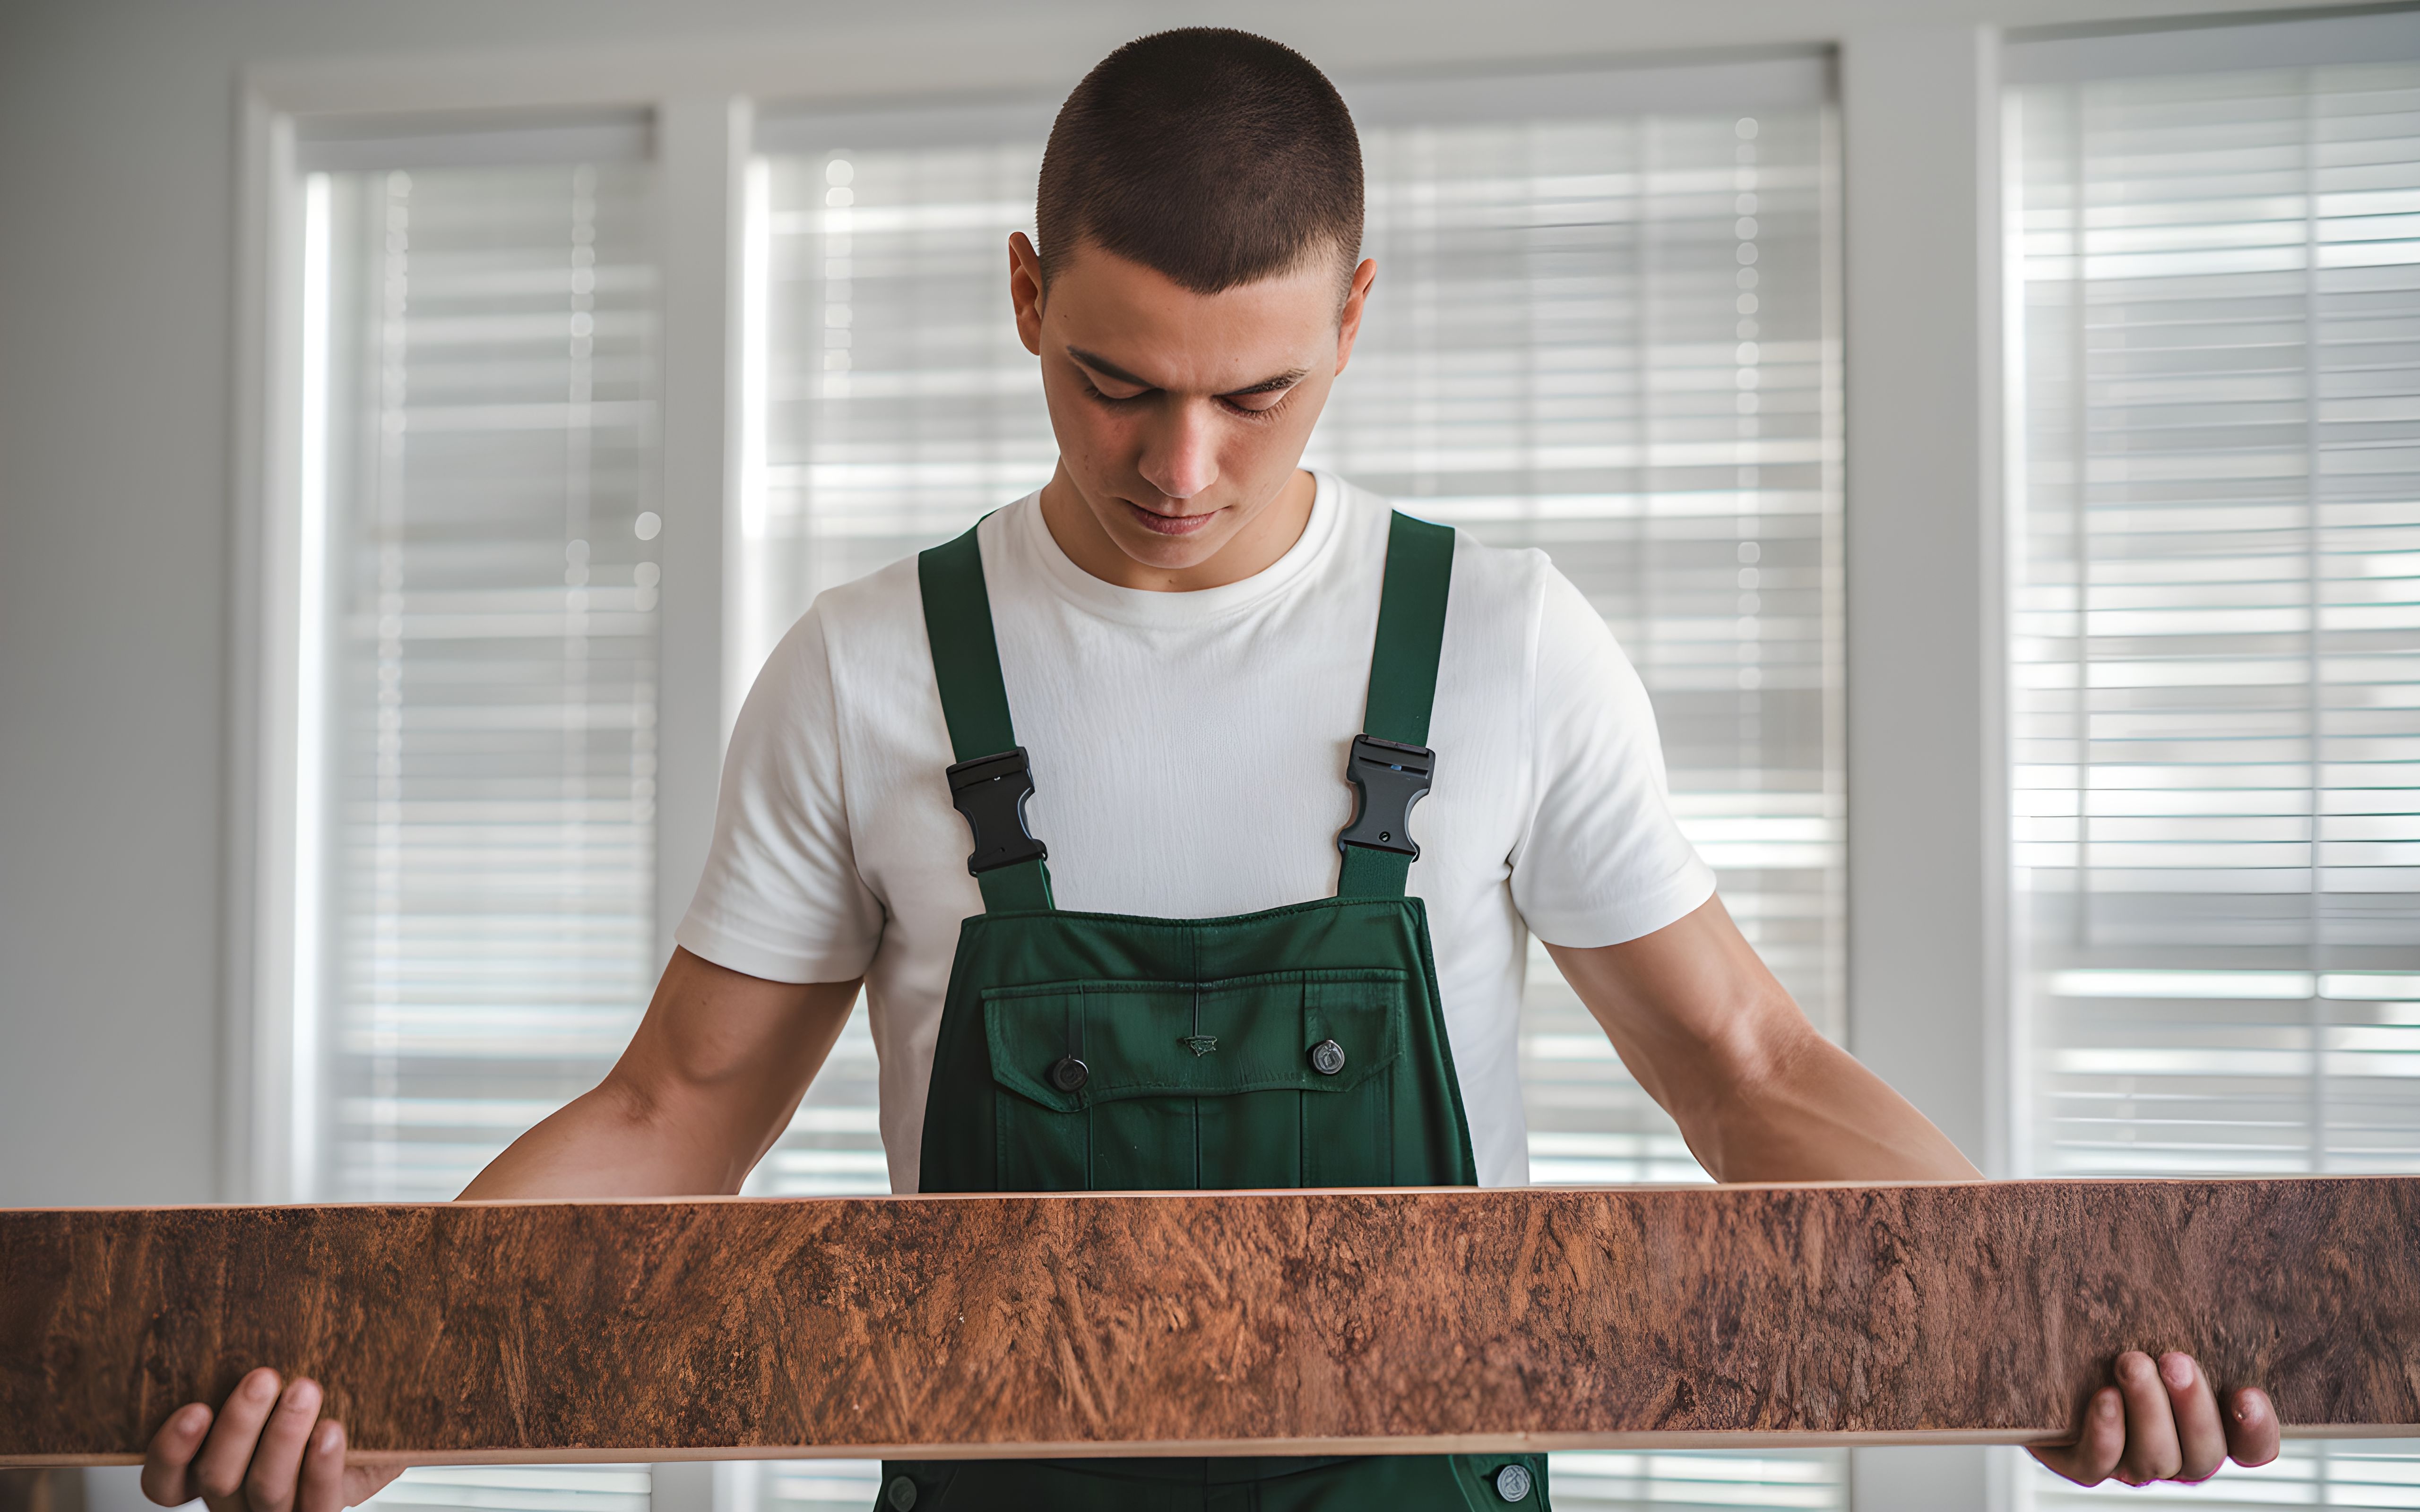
{"type": "Point", "coordinates": [1229, 1448]}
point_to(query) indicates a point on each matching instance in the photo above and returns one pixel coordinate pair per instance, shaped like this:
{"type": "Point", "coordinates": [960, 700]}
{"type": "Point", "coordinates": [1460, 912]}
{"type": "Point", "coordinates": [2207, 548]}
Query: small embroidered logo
{"type": "Point", "coordinates": [1200, 1044]}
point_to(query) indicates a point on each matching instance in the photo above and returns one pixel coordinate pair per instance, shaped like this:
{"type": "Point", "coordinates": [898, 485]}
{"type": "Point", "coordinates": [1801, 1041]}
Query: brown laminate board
{"type": "Point", "coordinates": [1212, 1323]}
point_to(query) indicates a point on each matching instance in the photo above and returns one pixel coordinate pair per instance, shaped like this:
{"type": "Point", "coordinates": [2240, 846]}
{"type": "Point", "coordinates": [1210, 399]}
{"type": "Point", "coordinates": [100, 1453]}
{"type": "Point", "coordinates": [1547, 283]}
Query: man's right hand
{"type": "Point", "coordinates": [264, 1450]}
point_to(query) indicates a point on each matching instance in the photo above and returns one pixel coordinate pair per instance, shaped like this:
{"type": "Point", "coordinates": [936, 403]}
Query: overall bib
{"type": "Point", "coordinates": [1301, 1047]}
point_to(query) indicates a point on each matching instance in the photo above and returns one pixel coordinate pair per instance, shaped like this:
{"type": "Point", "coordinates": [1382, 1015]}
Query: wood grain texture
{"type": "Point", "coordinates": [1207, 1323]}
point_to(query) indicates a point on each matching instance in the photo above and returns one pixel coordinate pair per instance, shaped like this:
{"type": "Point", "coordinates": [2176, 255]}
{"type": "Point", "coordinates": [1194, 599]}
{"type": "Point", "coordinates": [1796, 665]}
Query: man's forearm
{"type": "Point", "coordinates": [605, 1144]}
{"type": "Point", "coordinates": [1814, 1114]}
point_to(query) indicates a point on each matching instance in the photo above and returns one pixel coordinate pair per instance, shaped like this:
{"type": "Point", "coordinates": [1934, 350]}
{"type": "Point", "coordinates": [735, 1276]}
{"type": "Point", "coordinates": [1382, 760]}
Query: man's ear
{"type": "Point", "coordinates": [1025, 290]}
{"type": "Point", "coordinates": [1348, 320]}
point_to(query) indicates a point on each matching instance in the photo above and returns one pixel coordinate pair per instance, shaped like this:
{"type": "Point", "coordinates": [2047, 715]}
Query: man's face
{"type": "Point", "coordinates": [1180, 416]}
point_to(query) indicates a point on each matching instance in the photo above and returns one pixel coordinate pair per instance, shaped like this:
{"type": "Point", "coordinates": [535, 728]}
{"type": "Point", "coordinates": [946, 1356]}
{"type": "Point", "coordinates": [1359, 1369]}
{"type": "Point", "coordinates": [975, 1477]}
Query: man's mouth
{"type": "Point", "coordinates": [1170, 524]}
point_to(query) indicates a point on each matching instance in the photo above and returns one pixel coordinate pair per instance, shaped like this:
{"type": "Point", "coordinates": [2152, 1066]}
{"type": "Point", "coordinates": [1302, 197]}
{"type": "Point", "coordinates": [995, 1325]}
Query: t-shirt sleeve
{"type": "Point", "coordinates": [1603, 860]}
{"type": "Point", "coordinates": [781, 897]}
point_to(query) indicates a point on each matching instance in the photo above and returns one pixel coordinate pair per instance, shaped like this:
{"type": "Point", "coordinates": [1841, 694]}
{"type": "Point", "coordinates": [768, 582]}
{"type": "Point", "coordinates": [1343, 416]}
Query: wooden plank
{"type": "Point", "coordinates": [1215, 1322]}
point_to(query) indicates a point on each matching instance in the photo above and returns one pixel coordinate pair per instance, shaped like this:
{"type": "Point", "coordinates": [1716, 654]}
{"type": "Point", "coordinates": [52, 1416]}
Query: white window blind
{"type": "Point", "coordinates": [2216, 645]}
{"type": "Point", "coordinates": [477, 470]}
{"type": "Point", "coordinates": [1604, 326]}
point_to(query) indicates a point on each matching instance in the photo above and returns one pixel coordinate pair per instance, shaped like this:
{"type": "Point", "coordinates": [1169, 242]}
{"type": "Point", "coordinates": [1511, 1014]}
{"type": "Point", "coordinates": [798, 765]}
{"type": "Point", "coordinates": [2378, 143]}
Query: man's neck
{"type": "Point", "coordinates": [1268, 535]}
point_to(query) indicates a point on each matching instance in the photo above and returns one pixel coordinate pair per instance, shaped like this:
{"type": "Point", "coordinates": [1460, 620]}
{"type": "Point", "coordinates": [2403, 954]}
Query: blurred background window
{"type": "Point", "coordinates": [2216, 640]}
{"type": "Point", "coordinates": [1604, 325]}
{"type": "Point", "coordinates": [479, 646]}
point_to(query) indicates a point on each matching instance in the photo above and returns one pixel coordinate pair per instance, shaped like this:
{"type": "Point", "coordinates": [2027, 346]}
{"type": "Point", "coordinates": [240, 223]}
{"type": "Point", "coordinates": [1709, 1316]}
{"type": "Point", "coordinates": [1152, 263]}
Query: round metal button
{"type": "Point", "coordinates": [901, 1492]}
{"type": "Point", "coordinates": [1328, 1057]}
{"type": "Point", "coordinates": [1512, 1482]}
{"type": "Point", "coordinates": [1067, 1073]}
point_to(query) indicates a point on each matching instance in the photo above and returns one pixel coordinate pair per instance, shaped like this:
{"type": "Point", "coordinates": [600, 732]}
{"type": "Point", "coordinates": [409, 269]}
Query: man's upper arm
{"type": "Point", "coordinates": [1602, 858]}
{"type": "Point", "coordinates": [1689, 1007]}
{"type": "Point", "coordinates": [734, 1051]}
{"type": "Point", "coordinates": [703, 1088]}
{"type": "Point", "coordinates": [781, 898]}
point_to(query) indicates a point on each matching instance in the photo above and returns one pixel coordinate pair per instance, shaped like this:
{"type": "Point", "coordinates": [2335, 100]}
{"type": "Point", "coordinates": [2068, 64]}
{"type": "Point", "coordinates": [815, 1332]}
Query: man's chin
{"type": "Point", "coordinates": [1166, 553]}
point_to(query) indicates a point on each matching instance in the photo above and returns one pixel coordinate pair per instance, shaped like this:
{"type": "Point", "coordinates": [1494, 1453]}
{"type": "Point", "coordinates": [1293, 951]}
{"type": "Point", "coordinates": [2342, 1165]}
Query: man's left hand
{"type": "Point", "coordinates": [2162, 1422]}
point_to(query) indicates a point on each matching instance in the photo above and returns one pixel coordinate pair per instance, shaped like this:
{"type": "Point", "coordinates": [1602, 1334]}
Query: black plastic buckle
{"type": "Point", "coordinates": [1388, 779]}
{"type": "Point", "coordinates": [991, 792]}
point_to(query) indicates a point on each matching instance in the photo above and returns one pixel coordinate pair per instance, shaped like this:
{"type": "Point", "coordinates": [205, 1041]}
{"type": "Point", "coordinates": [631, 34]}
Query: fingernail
{"type": "Point", "coordinates": [330, 1436]}
{"type": "Point", "coordinates": [2106, 1407]}
{"type": "Point", "coordinates": [262, 1386]}
{"type": "Point", "coordinates": [2179, 1369]}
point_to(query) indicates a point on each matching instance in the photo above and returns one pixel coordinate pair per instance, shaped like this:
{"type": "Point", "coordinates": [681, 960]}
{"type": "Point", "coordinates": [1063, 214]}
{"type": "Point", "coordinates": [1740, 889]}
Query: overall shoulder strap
{"type": "Point", "coordinates": [992, 777]}
{"type": "Point", "coordinates": [1390, 763]}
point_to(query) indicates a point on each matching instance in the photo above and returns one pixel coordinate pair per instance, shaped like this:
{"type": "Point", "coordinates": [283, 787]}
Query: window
{"type": "Point", "coordinates": [476, 853]}
{"type": "Point", "coordinates": [1604, 326]}
{"type": "Point", "coordinates": [2216, 641]}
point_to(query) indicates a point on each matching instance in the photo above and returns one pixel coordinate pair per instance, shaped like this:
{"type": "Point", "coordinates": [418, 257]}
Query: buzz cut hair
{"type": "Point", "coordinates": [1210, 155]}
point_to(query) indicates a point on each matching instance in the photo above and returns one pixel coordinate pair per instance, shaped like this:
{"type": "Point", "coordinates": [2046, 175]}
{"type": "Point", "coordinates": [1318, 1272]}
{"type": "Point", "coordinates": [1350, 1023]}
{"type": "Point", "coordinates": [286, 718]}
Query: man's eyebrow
{"type": "Point", "coordinates": [1108, 369]}
{"type": "Point", "coordinates": [1111, 370]}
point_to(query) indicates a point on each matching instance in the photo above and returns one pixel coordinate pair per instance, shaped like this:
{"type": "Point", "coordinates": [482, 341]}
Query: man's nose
{"type": "Point", "coordinates": [1180, 457]}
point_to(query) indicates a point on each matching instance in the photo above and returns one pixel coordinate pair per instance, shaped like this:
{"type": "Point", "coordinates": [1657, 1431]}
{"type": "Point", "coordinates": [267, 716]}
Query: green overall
{"type": "Point", "coordinates": [1301, 1047]}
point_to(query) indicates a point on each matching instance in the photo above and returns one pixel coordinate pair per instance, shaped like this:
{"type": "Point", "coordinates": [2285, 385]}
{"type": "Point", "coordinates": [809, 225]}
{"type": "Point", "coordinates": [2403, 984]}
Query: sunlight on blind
{"type": "Point", "coordinates": [489, 412]}
{"type": "Point", "coordinates": [2216, 645]}
{"type": "Point", "coordinates": [1611, 338]}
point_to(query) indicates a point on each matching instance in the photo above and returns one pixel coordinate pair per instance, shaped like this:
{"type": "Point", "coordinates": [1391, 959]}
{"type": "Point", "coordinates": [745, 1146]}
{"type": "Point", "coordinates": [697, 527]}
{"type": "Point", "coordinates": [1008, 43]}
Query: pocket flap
{"type": "Point", "coordinates": [1219, 1039]}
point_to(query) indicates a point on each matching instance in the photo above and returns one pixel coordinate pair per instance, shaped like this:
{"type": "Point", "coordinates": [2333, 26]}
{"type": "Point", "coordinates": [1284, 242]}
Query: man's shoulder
{"type": "Point", "coordinates": [885, 602]}
{"type": "Point", "coordinates": [870, 628]}
{"type": "Point", "coordinates": [1490, 580]}
{"type": "Point", "coordinates": [890, 600]}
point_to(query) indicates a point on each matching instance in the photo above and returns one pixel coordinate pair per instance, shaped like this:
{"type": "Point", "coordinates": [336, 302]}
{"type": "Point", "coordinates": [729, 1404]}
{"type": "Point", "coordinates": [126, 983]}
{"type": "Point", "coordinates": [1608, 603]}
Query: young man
{"type": "Point", "coordinates": [1195, 655]}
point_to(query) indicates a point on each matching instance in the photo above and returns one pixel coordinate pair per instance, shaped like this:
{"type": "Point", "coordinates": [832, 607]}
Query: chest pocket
{"type": "Point", "coordinates": [1282, 1079]}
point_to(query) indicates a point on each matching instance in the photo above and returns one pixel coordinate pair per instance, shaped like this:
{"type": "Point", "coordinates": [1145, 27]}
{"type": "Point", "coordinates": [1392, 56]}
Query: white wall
{"type": "Point", "coordinates": [117, 230]}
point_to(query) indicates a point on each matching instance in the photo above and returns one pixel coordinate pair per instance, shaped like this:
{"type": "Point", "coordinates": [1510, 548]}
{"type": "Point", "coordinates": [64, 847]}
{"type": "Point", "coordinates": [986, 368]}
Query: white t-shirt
{"type": "Point", "coordinates": [1189, 762]}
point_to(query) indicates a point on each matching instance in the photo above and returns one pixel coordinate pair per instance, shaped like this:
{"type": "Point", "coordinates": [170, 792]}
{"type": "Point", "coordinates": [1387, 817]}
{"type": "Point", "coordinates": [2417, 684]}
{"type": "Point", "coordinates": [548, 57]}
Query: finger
{"type": "Point", "coordinates": [2195, 1406]}
{"type": "Point", "coordinates": [218, 1475]}
{"type": "Point", "coordinates": [269, 1486]}
{"type": "Point", "coordinates": [2152, 1452]}
{"type": "Point", "coordinates": [172, 1451]}
{"type": "Point", "coordinates": [323, 1471]}
{"type": "Point", "coordinates": [2252, 1428]}
{"type": "Point", "coordinates": [2094, 1454]}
